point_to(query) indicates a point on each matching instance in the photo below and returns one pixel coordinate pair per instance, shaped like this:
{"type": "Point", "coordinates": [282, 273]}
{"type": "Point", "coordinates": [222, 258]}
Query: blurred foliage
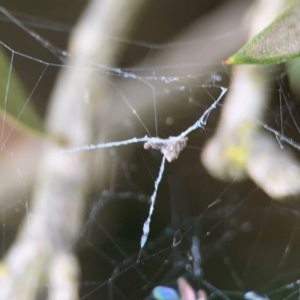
{"type": "Point", "coordinates": [293, 69]}
{"type": "Point", "coordinates": [278, 42]}
{"type": "Point", "coordinates": [15, 101]}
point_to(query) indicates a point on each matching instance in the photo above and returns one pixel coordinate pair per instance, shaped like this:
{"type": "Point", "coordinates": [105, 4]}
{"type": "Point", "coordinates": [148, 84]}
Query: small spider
{"type": "Point", "coordinates": [170, 148]}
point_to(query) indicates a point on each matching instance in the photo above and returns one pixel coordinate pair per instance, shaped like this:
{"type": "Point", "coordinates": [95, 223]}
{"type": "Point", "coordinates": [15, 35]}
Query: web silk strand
{"type": "Point", "coordinates": [146, 227]}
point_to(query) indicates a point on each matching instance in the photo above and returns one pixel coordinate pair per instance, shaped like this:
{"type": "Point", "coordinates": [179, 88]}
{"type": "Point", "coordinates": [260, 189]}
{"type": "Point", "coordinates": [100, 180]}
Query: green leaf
{"type": "Point", "coordinates": [278, 42]}
{"type": "Point", "coordinates": [14, 101]}
{"type": "Point", "coordinates": [293, 70]}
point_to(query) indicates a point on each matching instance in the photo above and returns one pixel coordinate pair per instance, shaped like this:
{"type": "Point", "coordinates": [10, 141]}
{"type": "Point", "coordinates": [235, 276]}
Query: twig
{"type": "Point", "coordinates": [42, 250]}
{"type": "Point", "coordinates": [239, 147]}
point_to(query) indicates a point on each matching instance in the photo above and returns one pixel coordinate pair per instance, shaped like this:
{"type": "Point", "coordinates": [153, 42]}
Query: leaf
{"type": "Point", "coordinates": [14, 99]}
{"type": "Point", "coordinates": [293, 69]}
{"type": "Point", "coordinates": [278, 42]}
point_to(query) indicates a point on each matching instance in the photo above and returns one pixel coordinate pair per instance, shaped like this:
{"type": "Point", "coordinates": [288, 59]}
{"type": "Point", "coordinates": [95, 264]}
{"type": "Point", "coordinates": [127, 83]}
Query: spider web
{"type": "Point", "coordinates": [229, 239]}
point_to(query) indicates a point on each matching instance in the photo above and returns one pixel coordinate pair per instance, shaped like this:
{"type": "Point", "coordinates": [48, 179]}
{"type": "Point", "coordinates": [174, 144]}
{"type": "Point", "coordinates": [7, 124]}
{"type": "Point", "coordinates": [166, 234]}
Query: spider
{"type": "Point", "coordinates": [170, 148]}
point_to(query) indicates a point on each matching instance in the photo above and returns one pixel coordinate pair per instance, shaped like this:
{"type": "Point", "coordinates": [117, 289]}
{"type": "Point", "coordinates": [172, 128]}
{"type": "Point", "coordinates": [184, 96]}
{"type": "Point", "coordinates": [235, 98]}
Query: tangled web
{"type": "Point", "coordinates": [157, 216]}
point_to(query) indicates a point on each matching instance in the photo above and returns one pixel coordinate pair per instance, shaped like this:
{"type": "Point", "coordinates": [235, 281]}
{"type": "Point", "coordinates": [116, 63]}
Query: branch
{"type": "Point", "coordinates": [42, 251]}
{"type": "Point", "coordinates": [240, 148]}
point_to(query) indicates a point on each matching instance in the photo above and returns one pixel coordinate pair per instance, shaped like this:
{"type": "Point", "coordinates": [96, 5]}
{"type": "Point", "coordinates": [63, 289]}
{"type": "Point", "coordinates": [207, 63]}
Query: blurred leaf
{"type": "Point", "coordinates": [16, 106]}
{"type": "Point", "coordinates": [293, 69]}
{"type": "Point", "coordinates": [276, 43]}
